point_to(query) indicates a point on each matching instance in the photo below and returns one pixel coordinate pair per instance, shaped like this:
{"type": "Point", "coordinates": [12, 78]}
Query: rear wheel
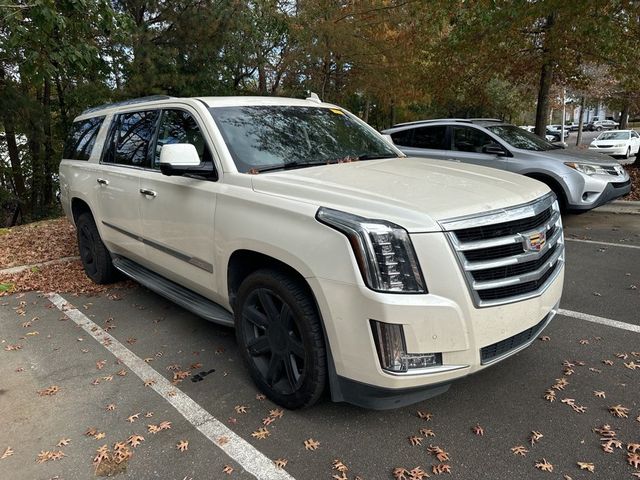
{"type": "Point", "coordinates": [95, 257]}
{"type": "Point", "coordinates": [628, 153]}
{"type": "Point", "coordinates": [280, 337]}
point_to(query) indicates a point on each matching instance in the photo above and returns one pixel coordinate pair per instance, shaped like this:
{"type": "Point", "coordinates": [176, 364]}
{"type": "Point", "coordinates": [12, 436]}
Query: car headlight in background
{"type": "Point", "coordinates": [620, 145]}
{"type": "Point", "coordinates": [383, 250]}
{"type": "Point", "coordinates": [586, 168]}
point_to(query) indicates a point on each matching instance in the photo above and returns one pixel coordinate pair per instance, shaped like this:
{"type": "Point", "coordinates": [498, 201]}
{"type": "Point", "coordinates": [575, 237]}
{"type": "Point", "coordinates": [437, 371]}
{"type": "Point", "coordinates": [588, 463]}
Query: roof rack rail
{"type": "Point", "coordinates": [433, 120]}
{"type": "Point", "coordinates": [131, 101]}
{"type": "Point", "coordinates": [461, 120]}
{"type": "Point", "coordinates": [485, 119]}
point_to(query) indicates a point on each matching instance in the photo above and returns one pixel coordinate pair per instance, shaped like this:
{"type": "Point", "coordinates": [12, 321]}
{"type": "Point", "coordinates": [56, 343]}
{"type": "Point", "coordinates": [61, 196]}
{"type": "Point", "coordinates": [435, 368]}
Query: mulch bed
{"type": "Point", "coordinates": [37, 242]}
{"type": "Point", "coordinates": [40, 242]}
{"type": "Point", "coordinates": [634, 173]}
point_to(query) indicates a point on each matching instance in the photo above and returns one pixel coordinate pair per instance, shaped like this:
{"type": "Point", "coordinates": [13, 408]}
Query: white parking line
{"type": "Point", "coordinates": [237, 448]}
{"type": "Point", "coordinates": [611, 244]}
{"type": "Point", "coordinates": [601, 320]}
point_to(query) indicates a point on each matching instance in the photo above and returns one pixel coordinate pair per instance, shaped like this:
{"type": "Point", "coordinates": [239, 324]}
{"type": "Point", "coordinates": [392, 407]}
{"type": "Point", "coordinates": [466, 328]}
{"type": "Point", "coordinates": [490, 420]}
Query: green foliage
{"type": "Point", "coordinates": [388, 61]}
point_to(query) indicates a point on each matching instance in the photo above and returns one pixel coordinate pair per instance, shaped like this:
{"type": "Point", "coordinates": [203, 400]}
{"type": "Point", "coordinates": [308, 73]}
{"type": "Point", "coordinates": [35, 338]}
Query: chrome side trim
{"type": "Point", "coordinates": [428, 370]}
{"type": "Point", "coordinates": [196, 262]}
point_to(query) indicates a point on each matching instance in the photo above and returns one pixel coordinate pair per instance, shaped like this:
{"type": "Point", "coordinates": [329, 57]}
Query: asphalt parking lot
{"type": "Point", "coordinates": [113, 357]}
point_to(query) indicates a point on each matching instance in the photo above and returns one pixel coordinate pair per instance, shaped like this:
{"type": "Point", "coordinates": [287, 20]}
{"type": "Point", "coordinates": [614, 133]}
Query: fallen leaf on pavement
{"type": "Point", "coordinates": [519, 450]}
{"type": "Point", "coordinates": [544, 465]}
{"type": "Point", "coordinates": [63, 442]}
{"type": "Point", "coordinates": [535, 437]}
{"type": "Point", "coordinates": [280, 463]}
{"type": "Point", "coordinates": [619, 411]}
{"type": "Point", "coordinates": [478, 430]}
{"type": "Point", "coordinates": [182, 445]}
{"type": "Point", "coordinates": [586, 466]}
{"type": "Point", "coordinates": [228, 469]}
{"type": "Point", "coordinates": [261, 433]}
{"type": "Point", "coordinates": [52, 390]}
{"type": "Point", "coordinates": [311, 444]}
{"type": "Point", "coordinates": [439, 469]}
{"type": "Point", "coordinates": [135, 440]}
{"type": "Point", "coordinates": [7, 453]}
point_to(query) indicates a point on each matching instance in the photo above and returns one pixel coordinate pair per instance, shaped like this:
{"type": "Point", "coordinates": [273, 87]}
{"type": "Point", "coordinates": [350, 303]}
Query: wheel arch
{"type": "Point", "coordinates": [244, 261]}
{"type": "Point", "coordinates": [555, 186]}
{"type": "Point", "coordinates": [78, 207]}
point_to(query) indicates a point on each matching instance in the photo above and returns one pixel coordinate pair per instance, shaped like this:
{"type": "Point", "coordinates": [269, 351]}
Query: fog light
{"type": "Point", "coordinates": [392, 350]}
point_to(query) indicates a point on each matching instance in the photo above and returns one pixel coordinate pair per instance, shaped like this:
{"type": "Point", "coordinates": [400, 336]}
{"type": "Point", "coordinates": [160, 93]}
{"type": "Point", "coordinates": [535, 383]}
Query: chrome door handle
{"type": "Point", "coordinates": [102, 181]}
{"type": "Point", "coordinates": [149, 193]}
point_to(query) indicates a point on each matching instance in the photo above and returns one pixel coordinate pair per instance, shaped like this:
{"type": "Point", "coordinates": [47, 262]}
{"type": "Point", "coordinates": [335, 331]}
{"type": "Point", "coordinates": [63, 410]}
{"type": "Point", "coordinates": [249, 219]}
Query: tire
{"type": "Point", "coordinates": [598, 129]}
{"type": "Point", "coordinates": [95, 257]}
{"type": "Point", "coordinates": [628, 153]}
{"type": "Point", "coordinates": [280, 337]}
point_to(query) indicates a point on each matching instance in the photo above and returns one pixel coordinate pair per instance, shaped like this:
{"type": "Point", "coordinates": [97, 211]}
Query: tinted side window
{"type": "Point", "coordinates": [403, 137]}
{"type": "Point", "coordinates": [429, 137]}
{"type": "Point", "coordinates": [131, 135]}
{"type": "Point", "coordinates": [178, 126]}
{"type": "Point", "coordinates": [82, 138]}
{"type": "Point", "coordinates": [467, 139]}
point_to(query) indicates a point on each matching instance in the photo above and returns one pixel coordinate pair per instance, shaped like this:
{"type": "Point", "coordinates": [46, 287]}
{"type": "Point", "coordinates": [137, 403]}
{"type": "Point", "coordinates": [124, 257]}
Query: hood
{"type": "Point", "coordinates": [610, 141]}
{"type": "Point", "coordinates": [565, 155]}
{"type": "Point", "coordinates": [415, 193]}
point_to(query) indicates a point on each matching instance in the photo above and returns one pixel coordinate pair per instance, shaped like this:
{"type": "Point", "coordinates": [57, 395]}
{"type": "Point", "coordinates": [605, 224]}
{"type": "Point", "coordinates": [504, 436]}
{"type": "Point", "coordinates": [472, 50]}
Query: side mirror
{"type": "Point", "coordinates": [494, 149]}
{"type": "Point", "coordinates": [183, 159]}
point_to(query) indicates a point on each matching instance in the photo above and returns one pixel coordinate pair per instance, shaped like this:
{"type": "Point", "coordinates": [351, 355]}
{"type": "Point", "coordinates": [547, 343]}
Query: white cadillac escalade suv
{"type": "Point", "coordinates": [340, 262]}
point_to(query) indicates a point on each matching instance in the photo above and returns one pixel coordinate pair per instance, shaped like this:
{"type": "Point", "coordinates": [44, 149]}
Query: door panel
{"type": "Point", "coordinates": [119, 212]}
{"type": "Point", "coordinates": [467, 144]}
{"type": "Point", "coordinates": [178, 212]}
{"type": "Point", "coordinates": [177, 224]}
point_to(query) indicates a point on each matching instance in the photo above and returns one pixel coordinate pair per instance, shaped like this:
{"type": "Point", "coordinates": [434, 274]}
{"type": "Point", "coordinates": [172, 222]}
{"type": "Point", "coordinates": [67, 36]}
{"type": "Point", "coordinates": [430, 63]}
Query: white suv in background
{"type": "Point", "coordinates": [340, 262]}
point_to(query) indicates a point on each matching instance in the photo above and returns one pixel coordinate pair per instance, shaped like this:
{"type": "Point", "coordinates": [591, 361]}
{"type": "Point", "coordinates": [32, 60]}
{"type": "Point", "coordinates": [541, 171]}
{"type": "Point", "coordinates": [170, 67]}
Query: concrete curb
{"type": "Point", "coordinates": [22, 268]}
{"type": "Point", "coordinates": [620, 206]}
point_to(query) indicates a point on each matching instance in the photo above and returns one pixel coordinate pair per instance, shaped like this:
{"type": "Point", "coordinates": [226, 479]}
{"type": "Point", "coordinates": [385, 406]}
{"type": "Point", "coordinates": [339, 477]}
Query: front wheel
{"type": "Point", "coordinates": [628, 154]}
{"type": "Point", "coordinates": [280, 338]}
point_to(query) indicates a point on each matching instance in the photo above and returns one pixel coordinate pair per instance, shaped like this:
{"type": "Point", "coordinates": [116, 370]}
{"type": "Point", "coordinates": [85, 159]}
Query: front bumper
{"type": "Point", "coordinates": [615, 151]}
{"type": "Point", "coordinates": [444, 321]}
{"type": "Point", "coordinates": [612, 191]}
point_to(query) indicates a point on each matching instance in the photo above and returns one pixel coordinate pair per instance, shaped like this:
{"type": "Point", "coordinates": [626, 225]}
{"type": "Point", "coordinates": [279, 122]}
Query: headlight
{"type": "Point", "coordinates": [620, 145]}
{"type": "Point", "coordinates": [586, 168]}
{"type": "Point", "coordinates": [383, 250]}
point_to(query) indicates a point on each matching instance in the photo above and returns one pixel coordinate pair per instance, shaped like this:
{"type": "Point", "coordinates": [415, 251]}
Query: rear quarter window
{"type": "Point", "coordinates": [82, 139]}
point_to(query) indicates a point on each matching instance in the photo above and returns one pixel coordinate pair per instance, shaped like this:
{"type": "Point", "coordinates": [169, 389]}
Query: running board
{"type": "Point", "coordinates": [182, 296]}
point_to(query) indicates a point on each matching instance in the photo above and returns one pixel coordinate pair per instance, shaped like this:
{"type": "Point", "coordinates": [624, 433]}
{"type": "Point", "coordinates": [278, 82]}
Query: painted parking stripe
{"type": "Point", "coordinates": [601, 320]}
{"type": "Point", "coordinates": [610, 244]}
{"type": "Point", "coordinates": [237, 448]}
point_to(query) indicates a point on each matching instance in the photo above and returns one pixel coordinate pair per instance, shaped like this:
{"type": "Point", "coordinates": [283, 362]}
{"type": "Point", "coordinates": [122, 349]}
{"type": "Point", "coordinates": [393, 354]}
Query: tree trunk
{"type": "Point", "coordinates": [624, 116]}
{"type": "Point", "coordinates": [546, 79]}
{"type": "Point", "coordinates": [14, 158]}
{"type": "Point", "coordinates": [47, 193]}
{"type": "Point", "coordinates": [583, 102]}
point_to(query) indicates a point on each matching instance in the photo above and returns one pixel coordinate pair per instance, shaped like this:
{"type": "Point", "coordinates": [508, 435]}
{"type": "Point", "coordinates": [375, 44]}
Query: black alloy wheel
{"type": "Point", "coordinates": [94, 255]}
{"type": "Point", "coordinates": [281, 339]}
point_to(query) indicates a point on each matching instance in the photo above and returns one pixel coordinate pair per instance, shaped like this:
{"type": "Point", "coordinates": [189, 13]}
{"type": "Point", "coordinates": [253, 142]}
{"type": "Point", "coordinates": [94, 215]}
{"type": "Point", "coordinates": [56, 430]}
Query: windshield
{"type": "Point", "coordinates": [519, 138]}
{"type": "Point", "coordinates": [613, 136]}
{"type": "Point", "coordinates": [263, 138]}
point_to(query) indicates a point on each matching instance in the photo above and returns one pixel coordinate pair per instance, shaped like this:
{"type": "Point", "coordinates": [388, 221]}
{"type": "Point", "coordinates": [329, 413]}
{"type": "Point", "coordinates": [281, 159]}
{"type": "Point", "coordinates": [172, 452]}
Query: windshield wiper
{"type": "Point", "coordinates": [287, 166]}
{"type": "Point", "coordinates": [376, 157]}
{"type": "Point", "coordinates": [296, 164]}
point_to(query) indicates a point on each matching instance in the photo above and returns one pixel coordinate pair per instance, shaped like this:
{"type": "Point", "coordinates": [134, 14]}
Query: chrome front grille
{"type": "Point", "coordinates": [509, 255]}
